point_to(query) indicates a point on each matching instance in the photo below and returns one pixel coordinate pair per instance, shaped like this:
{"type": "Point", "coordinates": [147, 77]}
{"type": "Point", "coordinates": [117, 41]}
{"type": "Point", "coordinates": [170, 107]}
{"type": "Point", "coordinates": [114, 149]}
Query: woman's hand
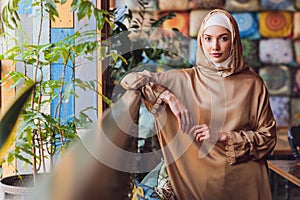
{"type": "Point", "coordinates": [182, 114]}
{"type": "Point", "coordinates": [200, 132]}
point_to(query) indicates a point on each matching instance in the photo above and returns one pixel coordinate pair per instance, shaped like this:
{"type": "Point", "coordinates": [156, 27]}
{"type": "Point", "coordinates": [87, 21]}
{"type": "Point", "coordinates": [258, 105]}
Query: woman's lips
{"type": "Point", "coordinates": [216, 55]}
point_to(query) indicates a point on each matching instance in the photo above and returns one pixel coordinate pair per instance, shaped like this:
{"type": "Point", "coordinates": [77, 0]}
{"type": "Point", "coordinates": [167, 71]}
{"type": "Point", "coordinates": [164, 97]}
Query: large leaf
{"type": "Point", "coordinates": [9, 118]}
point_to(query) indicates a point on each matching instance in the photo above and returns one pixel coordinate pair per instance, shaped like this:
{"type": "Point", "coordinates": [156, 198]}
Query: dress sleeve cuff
{"type": "Point", "coordinates": [230, 153]}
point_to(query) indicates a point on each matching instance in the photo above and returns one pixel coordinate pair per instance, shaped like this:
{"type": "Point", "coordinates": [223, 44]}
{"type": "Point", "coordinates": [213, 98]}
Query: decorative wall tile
{"type": "Point", "coordinates": [66, 18]}
{"type": "Point", "coordinates": [281, 109]}
{"type": "Point", "coordinates": [275, 23]}
{"type": "Point", "coordinates": [277, 79]}
{"type": "Point", "coordinates": [296, 33]}
{"type": "Point", "coordinates": [242, 5]}
{"type": "Point", "coordinates": [206, 4]}
{"type": "Point", "coordinates": [296, 81]}
{"type": "Point", "coordinates": [180, 22]}
{"type": "Point", "coordinates": [166, 5]}
{"type": "Point", "coordinates": [196, 17]}
{"type": "Point", "coordinates": [250, 52]}
{"type": "Point", "coordinates": [297, 4]}
{"type": "Point", "coordinates": [297, 50]}
{"type": "Point", "coordinates": [24, 7]}
{"type": "Point", "coordinates": [56, 73]}
{"type": "Point", "coordinates": [248, 24]}
{"type": "Point", "coordinates": [134, 5]}
{"type": "Point", "coordinates": [276, 50]}
{"type": "Point", "coordinates": [277, 5]}
{"type": "Point", "coordinates": [295, 111]}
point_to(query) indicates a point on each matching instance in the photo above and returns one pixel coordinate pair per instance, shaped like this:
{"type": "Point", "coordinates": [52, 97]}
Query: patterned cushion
{"type": "Point", "coordinates": [296, 25]}
{"type": "Point", "coordinates": [180, 22]}
{"type": "Point", "coordinates": [280, 107]}
{"type": "Point", "coordinates": [175, 5]}
{"type": "Point", "coordinates": [296, 82]}
{"type": "Point", "coordinates": [297, 50]}
{"type": "Point", "coordinates": [196, 17]}
{"type": "Point", "coordinates": [297, 4]}
{"type": "Point", "coordinates": [134, 5]}
{"type": "Point", "coordinates": [277, 79]}
{"type": "Point", "coordinates": [206, 4]}
{"type": "Point", "coordinates": [242, 5]}
{"type": "Point", "coordinates": [295, 111]}
{"type": "Point", "coordinates": [248, 24]}
{"type": "Point", "coordinates": [277, 4]}
{"type": "Point", "coordinates": [276, 50]}
{"type": "Point", "coordinates": [275, 23]}
{"type": "Point", "coordinates": [250, 52]}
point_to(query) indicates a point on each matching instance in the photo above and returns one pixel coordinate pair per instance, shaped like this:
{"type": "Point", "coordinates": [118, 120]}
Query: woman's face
{"type": "Point", "coordinates": [216, 41]}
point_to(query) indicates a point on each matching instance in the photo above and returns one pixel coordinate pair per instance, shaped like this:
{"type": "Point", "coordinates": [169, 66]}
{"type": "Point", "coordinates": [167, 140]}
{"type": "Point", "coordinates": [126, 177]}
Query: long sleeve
{"type": "Point", "coordinates": [145, 82]}
{"type": "Point", "coordinates": [254, 144]}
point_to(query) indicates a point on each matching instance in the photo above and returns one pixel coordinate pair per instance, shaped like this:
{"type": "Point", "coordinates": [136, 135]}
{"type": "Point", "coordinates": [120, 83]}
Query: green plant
{"type": "Point", "coordinates": [41, 135]}
{"type": "Point", "coordinates": [143, 23]}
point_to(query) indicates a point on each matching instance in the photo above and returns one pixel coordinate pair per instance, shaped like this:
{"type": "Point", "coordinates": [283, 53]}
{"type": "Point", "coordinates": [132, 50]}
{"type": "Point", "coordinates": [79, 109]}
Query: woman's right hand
{"type": "Point", "coordinates": [180, 111]}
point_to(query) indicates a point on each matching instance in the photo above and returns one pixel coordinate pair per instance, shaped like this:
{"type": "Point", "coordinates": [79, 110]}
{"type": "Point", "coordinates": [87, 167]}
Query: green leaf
{"type": "Point", "coordinates": [85, 9]}
{"type": "Point", "coordinates": [9, 119]}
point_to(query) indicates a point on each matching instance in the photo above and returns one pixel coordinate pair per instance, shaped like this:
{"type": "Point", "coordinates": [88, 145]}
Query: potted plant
{"type": "Point", "coordinates": [42, 135]}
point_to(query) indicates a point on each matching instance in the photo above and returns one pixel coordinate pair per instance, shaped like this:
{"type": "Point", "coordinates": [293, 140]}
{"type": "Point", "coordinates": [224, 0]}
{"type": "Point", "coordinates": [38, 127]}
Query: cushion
{"type": "Point", "coordinates": [276, 50]}
{"type": "Point", "coordinates": [250, 52]}
{"type": "Point", "coordinates": [296, 82]}
{"type": "Point", "coordinates": [134, 5]}
{"type": "Point", "coordinates": [297, 4]}
{"type": "Point", "coordinates": [196, 17]}
{"type": "Point", "coordinates": [277, 4]}
{"type": "Point", "coordinates": [296, 33]}
{"type": "Point", "coordinates": [206, 4]}
{"type": "Point", "coordinates": [248, 24]}
{"type": "Point", "coordinates": [242, 5]}
{"type": "Point", "coordinates": [295, 111]}
{"type": "Point", "coordinates": [178, 5]}
{"type": "Point", "coordinates": [297, 50]}
{"type": "Point", "coordinates": [275, 23]}
{"type": "Point", "coordinates": [277, 79]}
{"type": "Point", "coordinates": [180, 22]}
{"type": "Point", "coordinates": [281, 109]}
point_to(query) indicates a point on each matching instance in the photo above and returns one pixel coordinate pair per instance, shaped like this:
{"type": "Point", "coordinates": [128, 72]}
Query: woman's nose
{"type": "Point", "coordinates": [215, 45]}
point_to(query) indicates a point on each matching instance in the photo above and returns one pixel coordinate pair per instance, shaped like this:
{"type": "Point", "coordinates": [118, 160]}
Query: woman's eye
{"type": "Point", "coordinates": [224, 39]}
{"type": "Point", "coordinates": [207, 38]}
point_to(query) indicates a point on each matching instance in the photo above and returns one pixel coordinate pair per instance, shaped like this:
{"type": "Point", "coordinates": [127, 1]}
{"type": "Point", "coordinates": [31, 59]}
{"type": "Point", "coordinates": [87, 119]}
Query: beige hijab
{"type": "Point", "coordinates": [235, 62]}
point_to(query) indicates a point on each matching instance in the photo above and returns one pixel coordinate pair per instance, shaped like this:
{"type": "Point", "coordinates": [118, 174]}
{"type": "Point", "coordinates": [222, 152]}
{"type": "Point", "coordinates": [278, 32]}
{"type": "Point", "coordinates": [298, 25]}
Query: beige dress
{"type": "Point", "coordinates": [229, 99]}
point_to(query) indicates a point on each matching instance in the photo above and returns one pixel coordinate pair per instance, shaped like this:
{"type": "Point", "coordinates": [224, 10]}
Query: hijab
{"type": "Point", "coordinates": [234, 63]}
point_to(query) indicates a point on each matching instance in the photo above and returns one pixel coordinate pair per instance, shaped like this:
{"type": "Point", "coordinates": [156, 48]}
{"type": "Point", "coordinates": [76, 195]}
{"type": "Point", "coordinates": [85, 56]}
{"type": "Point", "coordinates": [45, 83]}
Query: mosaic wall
{"type": "Point", "coordinates": [270, 32]}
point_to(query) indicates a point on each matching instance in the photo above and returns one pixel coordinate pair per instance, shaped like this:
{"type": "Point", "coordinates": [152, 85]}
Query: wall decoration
{"type": "Point", "coordinates": [250, 52]}
{"type": "Point", "coordinates": [276, 50]}
{"type": "Point", "coordinates": [296, 82]}
{"type": "Point", "coordinates": [296, 32]}
{"type": "Point", "coordinates": [242, 5]}
{"type": "Point", "coordinates": [281, 109]}
{"type": "Point", "coordinates": [277, 79]}
{"type": "Point", "coordinates": [134, 5]}
{"type": "Point", "coordinates": [180, 22]}
{"type": "Point", "coordinates": [297, 50]}
{"type": "Point", "coordinates": [277, 4]}
{"type": "Point", "coordinates": [248, 24]}
{"type": "Point", "coordinates": [276, 23]}
{"type": "Point", "coordinates": [206, 4]}
{"type": "Point", "coordinates": [295, 111]}
{"type": "Point", "coordinates": [196, 17]}
{"type": "Point", "coordinates": [166, 5]}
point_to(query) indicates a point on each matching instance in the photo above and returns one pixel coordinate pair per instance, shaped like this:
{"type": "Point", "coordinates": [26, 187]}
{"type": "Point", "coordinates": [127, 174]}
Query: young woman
{"type": "Point", "coordinates": [214, 121]}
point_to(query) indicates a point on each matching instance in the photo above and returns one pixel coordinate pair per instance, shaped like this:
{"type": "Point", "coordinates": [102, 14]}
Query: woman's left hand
{"type": "Point", "coordinates": [200, 132]}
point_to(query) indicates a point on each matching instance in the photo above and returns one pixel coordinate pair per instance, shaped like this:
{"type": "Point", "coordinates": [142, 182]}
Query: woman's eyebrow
{"type": "Point", "coordinates": [222, 34]}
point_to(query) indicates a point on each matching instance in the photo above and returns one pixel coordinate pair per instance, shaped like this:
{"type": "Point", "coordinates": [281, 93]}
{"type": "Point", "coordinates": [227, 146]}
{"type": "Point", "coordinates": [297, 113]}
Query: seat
{"type": "Point", "coordinates": [294, 140]}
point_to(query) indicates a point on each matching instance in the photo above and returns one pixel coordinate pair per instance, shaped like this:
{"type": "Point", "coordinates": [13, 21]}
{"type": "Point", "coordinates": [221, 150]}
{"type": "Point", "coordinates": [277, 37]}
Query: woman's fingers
{"type": "Point", "coordinates": [200, 132]}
